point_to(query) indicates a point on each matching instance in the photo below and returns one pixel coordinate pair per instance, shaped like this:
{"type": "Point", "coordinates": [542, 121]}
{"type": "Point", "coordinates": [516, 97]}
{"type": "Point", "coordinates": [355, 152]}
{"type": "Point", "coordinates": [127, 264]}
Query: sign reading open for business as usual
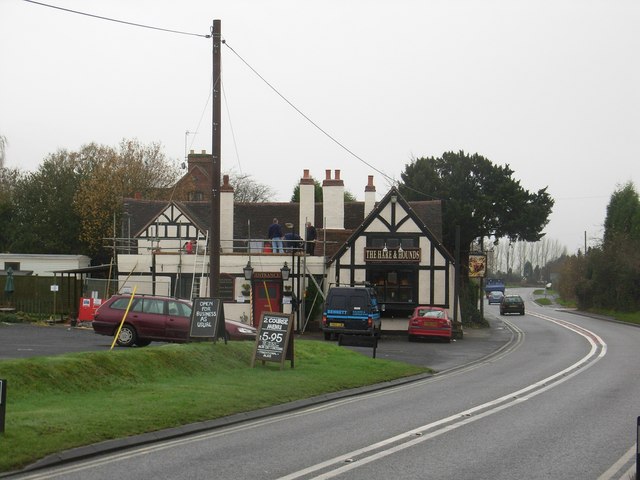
{"type": "Point", "coordinates": [207, 319]}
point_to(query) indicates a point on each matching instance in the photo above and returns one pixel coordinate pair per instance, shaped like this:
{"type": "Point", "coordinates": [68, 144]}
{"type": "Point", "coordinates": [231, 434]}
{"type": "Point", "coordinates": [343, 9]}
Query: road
{"type": "Point", "coordinates": [558, 400]}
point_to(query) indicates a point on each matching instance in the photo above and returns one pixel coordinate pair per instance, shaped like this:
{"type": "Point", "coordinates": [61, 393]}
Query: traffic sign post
{"type": "Point", "coordinates": [3, 403]}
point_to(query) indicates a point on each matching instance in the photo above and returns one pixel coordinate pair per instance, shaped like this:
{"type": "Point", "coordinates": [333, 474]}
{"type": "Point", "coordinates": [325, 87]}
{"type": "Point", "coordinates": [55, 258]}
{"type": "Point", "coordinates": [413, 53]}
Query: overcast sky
{"type": "Point", "coordinates": [551, 88]}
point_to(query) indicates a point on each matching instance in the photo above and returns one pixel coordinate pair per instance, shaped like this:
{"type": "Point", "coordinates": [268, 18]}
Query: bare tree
{"type": "Point", "coordinates": [3, 146]}
{"type": "Point", "coordinates": [246, 189]}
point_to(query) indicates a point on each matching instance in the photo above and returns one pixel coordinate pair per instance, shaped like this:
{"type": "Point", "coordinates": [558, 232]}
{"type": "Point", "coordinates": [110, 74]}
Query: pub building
{"type": "Point", "coordinates": [392, 244]}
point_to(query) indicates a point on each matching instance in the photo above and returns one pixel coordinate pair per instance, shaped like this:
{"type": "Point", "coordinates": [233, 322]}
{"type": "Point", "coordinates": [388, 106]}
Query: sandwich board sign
{"type": "Point", "coordinates": [274, 342]}
{"type": "Point", "coordinates": [207, 319]}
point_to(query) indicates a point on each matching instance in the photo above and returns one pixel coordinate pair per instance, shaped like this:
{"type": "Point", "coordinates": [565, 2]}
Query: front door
{"type": "Point", "coordinates": [267, 295]}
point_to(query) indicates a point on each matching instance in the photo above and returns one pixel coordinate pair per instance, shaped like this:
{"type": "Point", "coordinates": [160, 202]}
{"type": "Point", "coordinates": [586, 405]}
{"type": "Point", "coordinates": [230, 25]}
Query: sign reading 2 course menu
{"type": "Point", "coordinates": [207, 319]}
{"type": "Point", "coordinates": [274, 342]}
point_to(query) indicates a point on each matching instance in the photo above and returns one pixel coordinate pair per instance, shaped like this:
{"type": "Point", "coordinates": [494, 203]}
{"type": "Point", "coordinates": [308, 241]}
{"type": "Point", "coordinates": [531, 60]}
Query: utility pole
{"type": "Point", "coordinates": [214, 245]}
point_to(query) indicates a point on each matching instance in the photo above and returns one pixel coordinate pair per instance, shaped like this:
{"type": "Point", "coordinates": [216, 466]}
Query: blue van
{"type": "Point", "coordinates": [352, 310]}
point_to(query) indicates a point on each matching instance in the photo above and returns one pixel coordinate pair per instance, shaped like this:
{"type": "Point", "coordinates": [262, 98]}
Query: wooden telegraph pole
{"type": "Point", "coordinates": [214, 245]}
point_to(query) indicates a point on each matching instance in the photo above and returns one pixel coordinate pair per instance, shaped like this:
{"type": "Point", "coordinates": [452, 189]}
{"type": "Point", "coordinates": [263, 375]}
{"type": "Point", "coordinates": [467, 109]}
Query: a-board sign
{"type": "Point", "coordinates": [207, 319]}
{"type": "Point", "coordinates": [274, 342]}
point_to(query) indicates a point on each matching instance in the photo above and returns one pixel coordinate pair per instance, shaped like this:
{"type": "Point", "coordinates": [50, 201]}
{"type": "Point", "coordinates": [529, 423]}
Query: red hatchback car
{"type": "Point", "coordinates": [155, 318]}
{"type": "Point", "coordinates": [428, 321]}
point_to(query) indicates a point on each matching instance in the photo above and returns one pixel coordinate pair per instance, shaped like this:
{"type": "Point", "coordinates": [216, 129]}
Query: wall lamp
{"type": "Point", "coordinates": [285, 272]}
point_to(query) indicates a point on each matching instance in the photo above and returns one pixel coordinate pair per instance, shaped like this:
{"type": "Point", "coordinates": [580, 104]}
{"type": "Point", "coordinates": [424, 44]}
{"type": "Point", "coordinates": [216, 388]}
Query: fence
{"type": "Point", "coordinates": [42, 297]}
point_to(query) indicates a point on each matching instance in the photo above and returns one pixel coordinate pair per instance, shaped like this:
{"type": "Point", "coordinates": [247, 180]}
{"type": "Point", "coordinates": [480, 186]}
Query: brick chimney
{"type": "Point", "coordinates": [226, 215]}
{"type": "Point", "coordinates": [369, 196]}
{"type": "Point", "coordinates": [333, 201]}
{"type": "Point", "coordinates": [307, 209]}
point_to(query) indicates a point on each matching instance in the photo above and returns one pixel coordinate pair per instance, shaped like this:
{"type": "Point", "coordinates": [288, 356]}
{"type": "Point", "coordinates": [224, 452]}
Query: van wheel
{"type": "Point", "coordinates": [327, 335]}
{"type": "Point", "coordinates": [127, 337]}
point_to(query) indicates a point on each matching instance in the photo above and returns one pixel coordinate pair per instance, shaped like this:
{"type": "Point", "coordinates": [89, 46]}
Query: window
{"type": "Point", "coordinates": [394, 286]}
{"type": "Point", "coordinates": [122, 303]}
{"type": "Point", "coordinates": [391, 242]}
{"type": "Point", "coordinates": [179, 309]}
{"type": "Point", "coordinates": [153, 306]}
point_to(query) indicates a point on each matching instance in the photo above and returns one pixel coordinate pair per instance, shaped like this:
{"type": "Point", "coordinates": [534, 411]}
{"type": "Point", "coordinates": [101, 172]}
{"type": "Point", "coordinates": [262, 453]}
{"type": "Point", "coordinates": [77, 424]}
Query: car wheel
{"type": "Point", "coordinates": [411, 338]}
{"type": "Point", "coordinates": [327, 335]}
{"type": "Point", "coordinates": [501, 312]}
{"type": "Point", "coordinates": [522, 312]}
{"type": "Point", "coordinates": [142, 342]}
{"type": "Point", "coordinates": [127, 337]}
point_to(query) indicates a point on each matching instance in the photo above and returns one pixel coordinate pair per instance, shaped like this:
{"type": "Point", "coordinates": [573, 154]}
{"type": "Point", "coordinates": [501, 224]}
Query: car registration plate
{"type": "Point", "coordinates": [336, 324]}
{"type": "Point", "coordinates": [429, 324]}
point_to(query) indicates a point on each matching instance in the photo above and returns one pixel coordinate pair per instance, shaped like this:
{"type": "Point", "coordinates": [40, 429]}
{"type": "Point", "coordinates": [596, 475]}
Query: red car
{"type": "Point", "coordinates": [428, 322]}
{"type": "Point", "coordinates": [155, 318]}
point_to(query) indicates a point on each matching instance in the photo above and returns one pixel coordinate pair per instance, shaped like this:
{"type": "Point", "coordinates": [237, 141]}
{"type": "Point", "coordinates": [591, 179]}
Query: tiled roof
{"type": "Point", "coordinates": [253, 219]}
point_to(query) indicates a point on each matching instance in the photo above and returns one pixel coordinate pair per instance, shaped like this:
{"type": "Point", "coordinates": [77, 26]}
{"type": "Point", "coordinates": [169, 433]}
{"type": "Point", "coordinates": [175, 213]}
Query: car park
{"type": "Point", "coordinates": [512, 304]}
{"type": "Point", "coordinates": [154, 318]}
{"type": "Point", "coordinates": [495, 297]}
{"type": "Point", "coordinates": [430, 322]}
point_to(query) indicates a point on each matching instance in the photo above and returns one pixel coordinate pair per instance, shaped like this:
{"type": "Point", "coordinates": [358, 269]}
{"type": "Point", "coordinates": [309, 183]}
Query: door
{"type": "Point", "coordinates": [178, 320]}
{"type": "Point", "coordinates": [267, 296]}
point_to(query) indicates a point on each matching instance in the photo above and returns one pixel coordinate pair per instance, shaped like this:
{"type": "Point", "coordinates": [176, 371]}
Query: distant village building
{"type": "Point", "coordinates": [41, 264]}
{"type": "Point", "coordinates": [392, 244]}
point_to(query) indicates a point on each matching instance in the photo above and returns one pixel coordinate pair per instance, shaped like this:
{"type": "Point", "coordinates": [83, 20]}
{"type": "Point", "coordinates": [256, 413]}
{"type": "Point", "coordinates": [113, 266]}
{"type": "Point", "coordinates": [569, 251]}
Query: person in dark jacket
{"type": "Point", "coordinates": [275, 235]}
{"type": "Point", "coordinates": [292, 242]}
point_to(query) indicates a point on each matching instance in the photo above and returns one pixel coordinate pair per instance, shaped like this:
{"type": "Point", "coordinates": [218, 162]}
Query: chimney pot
{"type": "Point", "coordinates": [327, 174]}
{"type": "Point", "coordinates": [337, 174]}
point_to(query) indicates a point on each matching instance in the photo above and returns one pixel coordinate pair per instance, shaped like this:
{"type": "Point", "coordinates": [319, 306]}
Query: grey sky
{"type": "Point", "coordinates": [549, 87]}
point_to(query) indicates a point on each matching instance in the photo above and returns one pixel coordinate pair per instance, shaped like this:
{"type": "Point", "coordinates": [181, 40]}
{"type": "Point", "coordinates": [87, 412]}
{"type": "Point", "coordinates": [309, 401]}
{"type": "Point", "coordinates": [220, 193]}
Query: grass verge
{"type": "Point", "coordinates": [629, 317]}
{"type": "Point", "coordinates": [66, 401]}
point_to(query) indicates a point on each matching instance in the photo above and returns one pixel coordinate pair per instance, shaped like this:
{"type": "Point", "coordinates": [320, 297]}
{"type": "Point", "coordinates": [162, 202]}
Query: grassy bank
{"type": "Point", "coordinates": [66, 401]}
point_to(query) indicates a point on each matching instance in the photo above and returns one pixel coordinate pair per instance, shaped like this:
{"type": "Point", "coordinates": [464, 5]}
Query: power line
{"type": "Point", "coordinates": [391, 180]}
{"type": "Point", "coordinates": [118, 21]}
{"type": "Point", "coordinates": [328, 135]}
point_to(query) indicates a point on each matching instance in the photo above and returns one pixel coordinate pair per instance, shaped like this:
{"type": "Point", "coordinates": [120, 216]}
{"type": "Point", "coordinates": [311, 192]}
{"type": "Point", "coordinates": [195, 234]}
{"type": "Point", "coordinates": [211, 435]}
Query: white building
{"type": "Point", "coordinates": [393, 244]}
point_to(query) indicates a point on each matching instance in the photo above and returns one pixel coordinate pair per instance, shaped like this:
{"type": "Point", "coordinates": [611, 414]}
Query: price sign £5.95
{"type": "Point", "coordinates": [274, 342]}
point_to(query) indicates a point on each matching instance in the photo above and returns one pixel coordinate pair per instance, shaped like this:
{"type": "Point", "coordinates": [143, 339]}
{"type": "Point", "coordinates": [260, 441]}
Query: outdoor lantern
{"type": "Point", "coordinates": [285, 272]}
{"type": "Point", "coordinates": [248, 271]}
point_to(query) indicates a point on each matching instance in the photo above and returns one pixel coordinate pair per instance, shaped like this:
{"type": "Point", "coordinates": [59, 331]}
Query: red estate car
{"type": "Point", "coordinates": [154, 318]}
{"type": "Point", "coordinates": [428, 321]}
